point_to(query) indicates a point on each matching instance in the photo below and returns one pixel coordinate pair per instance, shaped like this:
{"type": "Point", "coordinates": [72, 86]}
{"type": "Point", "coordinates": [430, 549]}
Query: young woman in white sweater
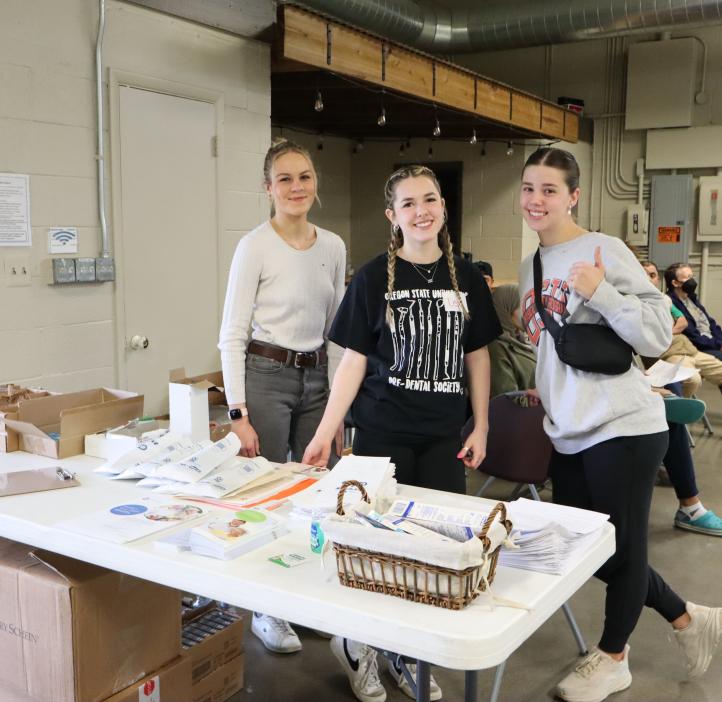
{"type": "Point", "coordinates": [609, 431]}
{"type": "Point", "coordinates": [285, 283]}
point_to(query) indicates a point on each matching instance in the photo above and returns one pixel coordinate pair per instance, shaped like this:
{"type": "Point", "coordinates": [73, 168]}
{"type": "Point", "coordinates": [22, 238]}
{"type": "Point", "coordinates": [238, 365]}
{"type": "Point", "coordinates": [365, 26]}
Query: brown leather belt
{"type": "Point", "coordinates": [292, 359]}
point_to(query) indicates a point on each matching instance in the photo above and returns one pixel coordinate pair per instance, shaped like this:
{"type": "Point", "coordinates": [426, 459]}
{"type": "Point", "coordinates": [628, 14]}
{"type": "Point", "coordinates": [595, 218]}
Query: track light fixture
{"type": "Point", "coordinates": [318, 104]}
{"type": "Point", "coordinates": [437, 128]}
{"type": "Point", "coordinates": [509, 149]}
{"type": "Point", "coordinates": [472, 141]}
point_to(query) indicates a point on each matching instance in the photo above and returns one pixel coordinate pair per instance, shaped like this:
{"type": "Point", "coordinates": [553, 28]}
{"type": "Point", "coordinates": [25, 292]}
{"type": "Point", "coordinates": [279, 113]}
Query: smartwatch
{"type": "Point", "coordinates": [235, 414]}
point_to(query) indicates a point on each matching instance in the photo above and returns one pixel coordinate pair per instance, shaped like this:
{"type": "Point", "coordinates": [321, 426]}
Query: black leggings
{"type": "Point", "coordinates": [616, 477]}
{"type": "Point", "coordinates": [429, 463]}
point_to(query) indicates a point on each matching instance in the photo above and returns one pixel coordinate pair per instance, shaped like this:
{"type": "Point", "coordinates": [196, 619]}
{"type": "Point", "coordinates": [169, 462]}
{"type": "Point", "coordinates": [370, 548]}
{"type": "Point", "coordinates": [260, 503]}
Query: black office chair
{"type": "Point", "coordinates": [518, 450]}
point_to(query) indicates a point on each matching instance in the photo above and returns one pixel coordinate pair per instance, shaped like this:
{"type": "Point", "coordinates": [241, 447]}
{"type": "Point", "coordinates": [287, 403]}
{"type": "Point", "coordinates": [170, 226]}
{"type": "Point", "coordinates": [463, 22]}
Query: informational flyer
{"type": "Point", "coordinates": [133, 520]}
{"type": "Point", "coordinates": [15, 210]}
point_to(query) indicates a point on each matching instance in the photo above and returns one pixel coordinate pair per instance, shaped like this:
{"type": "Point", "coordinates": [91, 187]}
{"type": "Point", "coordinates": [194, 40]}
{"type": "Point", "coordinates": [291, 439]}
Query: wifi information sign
{"type": "Point", "coordinates": [63, 240]}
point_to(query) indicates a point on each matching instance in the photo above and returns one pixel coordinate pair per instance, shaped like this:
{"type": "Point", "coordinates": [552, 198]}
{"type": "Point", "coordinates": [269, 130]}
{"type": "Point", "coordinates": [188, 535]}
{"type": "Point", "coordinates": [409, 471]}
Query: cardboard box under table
{"type": "Point", "coordinates": [216, 649]}
{"type": "Point", "coordinates": [221, 684]}
{"type": "Point", "coordinates": [71, 417]}
{"type": "Point", "coordinates": [172, 683]}
{"type": "Point", "coordinates": [75, 632]}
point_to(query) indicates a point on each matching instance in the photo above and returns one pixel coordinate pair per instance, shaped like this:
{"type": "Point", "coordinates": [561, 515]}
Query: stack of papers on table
{"type": "Point", "coordinates": [549, 537]}
{"type": "Point", "coordinates": [226, 536]}
{"type": "Point", "coordinates": [170, 464]}
{"type": "Point", "coordinates": [375, 474]}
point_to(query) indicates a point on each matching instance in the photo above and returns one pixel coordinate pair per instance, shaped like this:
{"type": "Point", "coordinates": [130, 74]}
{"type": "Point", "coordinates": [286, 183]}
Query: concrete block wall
{"type": "Point", "coordinates": [65, 338]}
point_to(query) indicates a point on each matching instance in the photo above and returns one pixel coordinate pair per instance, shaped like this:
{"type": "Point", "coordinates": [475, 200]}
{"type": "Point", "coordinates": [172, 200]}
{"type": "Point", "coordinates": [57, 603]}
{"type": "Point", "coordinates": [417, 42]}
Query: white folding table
{"type": "Point", "coordinates": [475, 638]}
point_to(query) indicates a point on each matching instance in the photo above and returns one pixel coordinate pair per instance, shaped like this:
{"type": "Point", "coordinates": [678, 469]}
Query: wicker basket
{"type": "Point", "coordinates": [412, 579]}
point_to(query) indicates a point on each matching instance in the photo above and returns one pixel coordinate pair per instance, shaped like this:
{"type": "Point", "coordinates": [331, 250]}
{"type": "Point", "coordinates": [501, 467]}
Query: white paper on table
{"type": "Point", "coordinates": [663, 373]}
{"type": "Point", "coordinates": [533, 515]}
{"type": "Point", "coordinates": [134, 519]}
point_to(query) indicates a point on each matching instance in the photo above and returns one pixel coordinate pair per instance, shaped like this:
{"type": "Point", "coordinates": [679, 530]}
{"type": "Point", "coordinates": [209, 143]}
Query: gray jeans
{"type": "Point", "coordinates": [285, 406]}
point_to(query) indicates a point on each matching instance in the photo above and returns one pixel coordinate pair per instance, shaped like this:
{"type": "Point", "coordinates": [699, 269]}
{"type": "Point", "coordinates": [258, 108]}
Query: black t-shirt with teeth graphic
{"type": "Point", "coordinates": [415, 377]}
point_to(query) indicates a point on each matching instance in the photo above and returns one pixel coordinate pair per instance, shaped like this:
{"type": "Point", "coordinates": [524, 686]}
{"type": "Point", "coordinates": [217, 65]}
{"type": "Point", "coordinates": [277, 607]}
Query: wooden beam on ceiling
{"type": "Point", "coordinates": [308, 39]}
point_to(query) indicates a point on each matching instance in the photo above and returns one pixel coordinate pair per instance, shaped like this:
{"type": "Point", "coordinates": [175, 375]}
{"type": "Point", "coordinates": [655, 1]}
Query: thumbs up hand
{"type": "Point", "coordinates": [584, 277]}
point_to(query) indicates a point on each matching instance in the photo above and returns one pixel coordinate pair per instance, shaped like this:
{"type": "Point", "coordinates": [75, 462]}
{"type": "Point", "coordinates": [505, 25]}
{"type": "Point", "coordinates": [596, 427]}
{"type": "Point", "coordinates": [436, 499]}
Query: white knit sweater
{"type": "Point", "coordinates": [279, 295]}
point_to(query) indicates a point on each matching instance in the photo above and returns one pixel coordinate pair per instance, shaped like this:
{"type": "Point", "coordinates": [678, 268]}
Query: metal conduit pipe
{"type": "Point", "coordinates": [100, 125]}
{"type": "Point", "coordinates": [507, 24]}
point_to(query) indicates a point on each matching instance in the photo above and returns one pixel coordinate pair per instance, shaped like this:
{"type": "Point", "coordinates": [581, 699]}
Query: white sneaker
{"type": "Point", "coordinates": [276, 634]}
{"type": "Point", "coordinates": [359, 662]}
{"type": "Point", "coordinates": [701, 637]}
{"type": "Point", "coordinates": [398, 675]}
{"type": "Point", "coordinates": [595, 678]}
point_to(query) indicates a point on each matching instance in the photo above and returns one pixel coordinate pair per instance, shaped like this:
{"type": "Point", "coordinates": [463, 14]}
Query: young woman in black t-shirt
{"type": "Point", "coordinates": [414, 323]}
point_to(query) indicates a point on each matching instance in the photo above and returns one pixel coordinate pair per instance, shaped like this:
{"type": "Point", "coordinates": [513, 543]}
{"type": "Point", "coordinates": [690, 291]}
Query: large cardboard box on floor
{"type": "Point", "coordinates": [221, 684]}
{"type": "Point", "coordinates": [172, 683]}
{"type": "Point", "coordinates": [56, 426]}
{"type": "Point", "coordinates": [74, 632]}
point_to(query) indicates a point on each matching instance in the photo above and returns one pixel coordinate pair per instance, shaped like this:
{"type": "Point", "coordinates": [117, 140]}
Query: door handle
{"type": "Point", "coordinates": [138, 343]}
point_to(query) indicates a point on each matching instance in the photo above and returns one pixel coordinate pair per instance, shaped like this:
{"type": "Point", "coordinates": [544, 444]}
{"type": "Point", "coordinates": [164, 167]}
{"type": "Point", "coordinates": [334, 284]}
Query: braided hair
{"type": "Point", "coordinates": [397, 238]}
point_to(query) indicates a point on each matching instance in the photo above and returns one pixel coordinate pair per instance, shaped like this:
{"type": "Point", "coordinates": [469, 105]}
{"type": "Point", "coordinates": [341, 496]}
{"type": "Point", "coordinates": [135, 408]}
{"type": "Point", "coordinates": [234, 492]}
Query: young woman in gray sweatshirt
{"type": "Point", "coordinates": [609, 431]}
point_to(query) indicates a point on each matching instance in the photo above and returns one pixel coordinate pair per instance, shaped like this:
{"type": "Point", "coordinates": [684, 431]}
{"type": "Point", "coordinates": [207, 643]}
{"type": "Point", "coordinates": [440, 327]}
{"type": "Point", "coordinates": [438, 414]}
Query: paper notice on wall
{"type": "Point", "coordinates": [15, 210]}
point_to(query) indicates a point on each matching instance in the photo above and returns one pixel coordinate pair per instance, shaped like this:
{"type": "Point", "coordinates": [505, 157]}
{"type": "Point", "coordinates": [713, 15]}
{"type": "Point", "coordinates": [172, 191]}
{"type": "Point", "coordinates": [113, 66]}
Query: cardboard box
{"type": "Point", "coordinates": [74, 632]}
{"type": "Point", "coordinates": [221, 684]}
{"type": "Point", "coordinates": [10, 398]}
{"type": "Point", "coordinates": [215, 651]}
{"type": "Point", "coordinates": [71, 416]}
{"type": "Point", "coordinates": [190, 399]}
{"type": "Point", "coordinates": [172, 683]}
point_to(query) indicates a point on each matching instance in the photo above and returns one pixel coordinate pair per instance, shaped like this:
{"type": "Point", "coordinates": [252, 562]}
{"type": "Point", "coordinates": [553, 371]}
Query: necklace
{"type": "Point", "coordinates": [427, 273]}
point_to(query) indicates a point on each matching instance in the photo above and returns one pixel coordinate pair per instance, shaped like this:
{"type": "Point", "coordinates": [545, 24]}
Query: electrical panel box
{"type": "Point", "coordinates": [709, 224]}
{"type": "Point", "coordinates": [104, 269]}
{"type": "Point", "coordinates": [671, 217]}
{"type": "Point", "coordinates": [637, 222]}
{"type": "Point", "coordinates": [661, 80]}
{"type": "Point", "coordinates": [62, 271]}
{"type": "Point", "coordinates": [85, 270]}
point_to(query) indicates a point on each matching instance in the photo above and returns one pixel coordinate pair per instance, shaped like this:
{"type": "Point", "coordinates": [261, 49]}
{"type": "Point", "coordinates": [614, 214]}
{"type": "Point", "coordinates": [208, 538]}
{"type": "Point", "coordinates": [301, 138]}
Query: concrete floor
{"type": "Point", "coordinates": [691, 563]}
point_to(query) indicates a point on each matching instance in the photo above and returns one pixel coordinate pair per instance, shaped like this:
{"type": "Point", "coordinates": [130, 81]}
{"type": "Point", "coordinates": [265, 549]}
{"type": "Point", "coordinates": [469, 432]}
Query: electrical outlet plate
{"type": "Point", "coordinates": [104, 269]}
{"type": "Point", "coordinates": [17, 271]}
{"type": "Point", "coordinates": [85, 270]}
{"type": "Point", "coordinates": [63, 270]}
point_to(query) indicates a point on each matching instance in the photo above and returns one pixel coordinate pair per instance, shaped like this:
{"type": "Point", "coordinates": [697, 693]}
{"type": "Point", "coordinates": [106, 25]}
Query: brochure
{"type": "Point", "coordinates": [133, 520]}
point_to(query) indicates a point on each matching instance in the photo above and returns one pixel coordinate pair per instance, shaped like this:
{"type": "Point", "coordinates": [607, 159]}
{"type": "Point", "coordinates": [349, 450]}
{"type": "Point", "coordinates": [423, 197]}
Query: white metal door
{"type": "Point", "coordinates": [168, 267]}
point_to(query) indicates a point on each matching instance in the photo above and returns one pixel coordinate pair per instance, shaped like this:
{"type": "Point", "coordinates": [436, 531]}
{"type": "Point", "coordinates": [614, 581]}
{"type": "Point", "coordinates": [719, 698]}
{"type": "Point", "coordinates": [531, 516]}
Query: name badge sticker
{"type": "Point", "coordinates": [451, 301]}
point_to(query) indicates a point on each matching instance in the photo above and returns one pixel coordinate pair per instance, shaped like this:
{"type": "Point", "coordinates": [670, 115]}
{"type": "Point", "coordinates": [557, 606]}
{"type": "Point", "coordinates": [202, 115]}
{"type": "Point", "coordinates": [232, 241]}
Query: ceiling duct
{"type": "Point", "coordinates": [508, 24]}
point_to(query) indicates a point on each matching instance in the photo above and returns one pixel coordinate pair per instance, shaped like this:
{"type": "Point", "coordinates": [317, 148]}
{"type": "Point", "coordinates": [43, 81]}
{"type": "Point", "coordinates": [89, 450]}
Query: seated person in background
{"type": "Point", "coordinates": [682, 350]}
{"type": "Point", "coordinates": [512, 369]}
{"type": "Point", "coordinates": [702, 330]}
{"type": "Point", "coordinates": [487, 271]}
{"type": "Point", "coordinates": [512, 359]}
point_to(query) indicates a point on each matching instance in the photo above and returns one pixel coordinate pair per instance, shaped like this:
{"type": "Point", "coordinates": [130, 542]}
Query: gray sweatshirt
{"type": "Point", "coordinates": [584, 409]}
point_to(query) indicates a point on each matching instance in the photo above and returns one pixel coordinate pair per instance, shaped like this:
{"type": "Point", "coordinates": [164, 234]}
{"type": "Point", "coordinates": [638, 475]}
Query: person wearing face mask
{"type": "Point", "coordinates": [683, 351]}
{"type": "Point", "coordinates": [702, 330]}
